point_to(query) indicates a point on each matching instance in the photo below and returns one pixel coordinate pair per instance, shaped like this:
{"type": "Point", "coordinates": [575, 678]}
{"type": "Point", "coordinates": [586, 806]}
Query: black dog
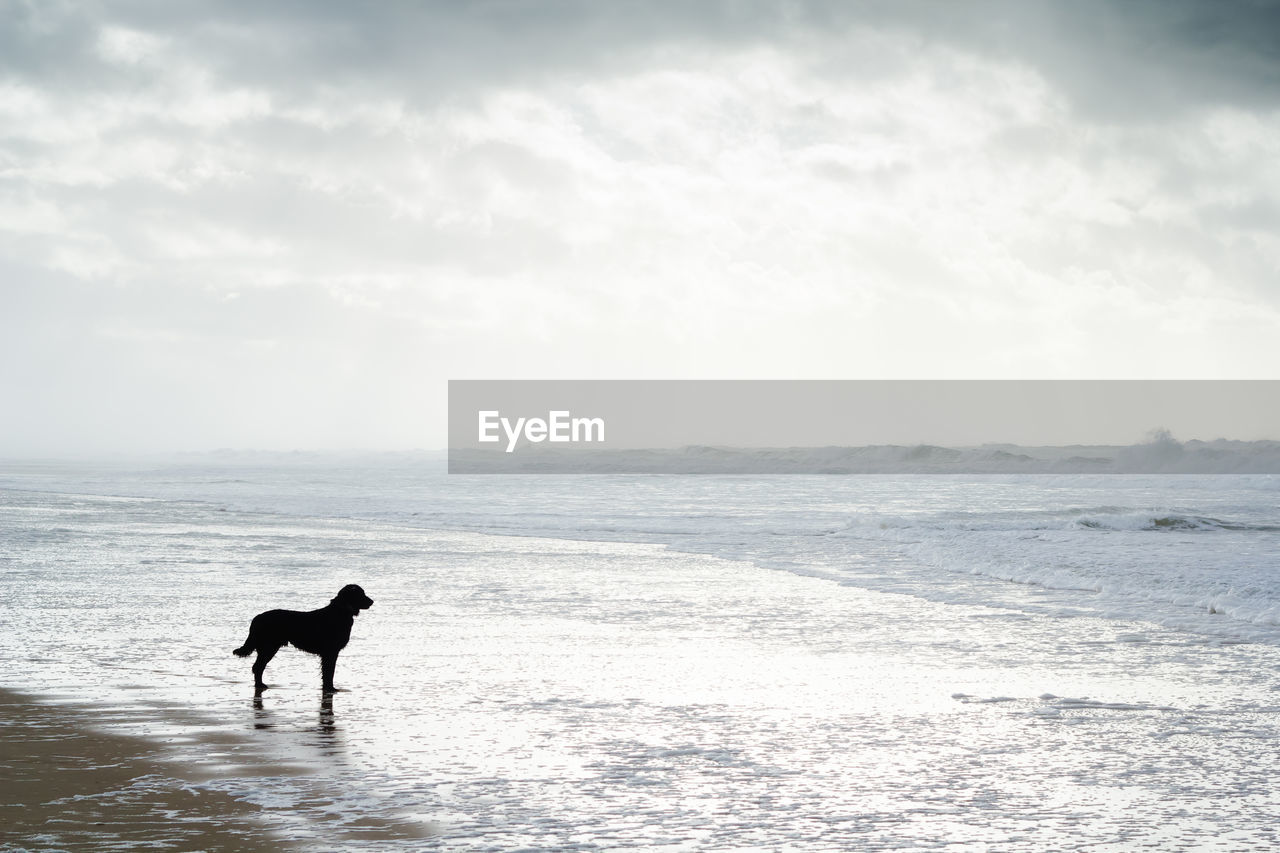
{"type": "Point", "coordinates": [323, 632]}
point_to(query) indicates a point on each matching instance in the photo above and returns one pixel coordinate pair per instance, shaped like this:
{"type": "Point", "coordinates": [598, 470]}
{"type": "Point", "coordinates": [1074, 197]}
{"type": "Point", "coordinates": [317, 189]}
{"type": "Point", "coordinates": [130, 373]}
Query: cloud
{"type": "Point", "coordinates": [1119, 57]}
{"type": "Point", "coordinates": [278, 197]}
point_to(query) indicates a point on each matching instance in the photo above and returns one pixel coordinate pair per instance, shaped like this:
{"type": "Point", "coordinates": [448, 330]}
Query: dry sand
{"type": "Point", "coordinates": [66, 786]}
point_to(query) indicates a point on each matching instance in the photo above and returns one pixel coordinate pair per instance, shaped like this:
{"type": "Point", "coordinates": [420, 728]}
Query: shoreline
{"type": "Point", "coordinates": [69, 785]}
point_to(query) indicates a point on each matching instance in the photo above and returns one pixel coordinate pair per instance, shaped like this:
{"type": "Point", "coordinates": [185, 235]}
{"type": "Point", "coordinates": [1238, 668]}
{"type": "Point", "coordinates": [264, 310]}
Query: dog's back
{"type": "Point", "coordinates": [321, 631]}
{"type": "Point", "coordinates": [272, 628]}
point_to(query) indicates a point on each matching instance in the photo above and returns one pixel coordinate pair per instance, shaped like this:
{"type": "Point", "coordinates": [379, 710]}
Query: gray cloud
{"type": "Point", "coordinates": [1120, 59]}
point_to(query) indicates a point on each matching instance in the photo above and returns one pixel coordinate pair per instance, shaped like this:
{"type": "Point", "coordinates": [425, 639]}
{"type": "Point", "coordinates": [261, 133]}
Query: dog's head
{"type": "Point", "coordinates": [353, 599]}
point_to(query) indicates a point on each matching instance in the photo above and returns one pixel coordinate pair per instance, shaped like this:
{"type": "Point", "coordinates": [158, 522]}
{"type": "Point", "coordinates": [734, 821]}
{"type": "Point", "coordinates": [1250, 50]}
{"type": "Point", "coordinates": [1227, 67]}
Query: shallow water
{"type": "Point", "coordinates": [543, 692]}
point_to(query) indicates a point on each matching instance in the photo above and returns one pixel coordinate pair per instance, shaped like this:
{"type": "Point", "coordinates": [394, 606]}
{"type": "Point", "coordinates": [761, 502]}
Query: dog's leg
{"type": "Point", "coordinates": [265, 654]}
{"type": "Point", "coordinates": [327, 665]}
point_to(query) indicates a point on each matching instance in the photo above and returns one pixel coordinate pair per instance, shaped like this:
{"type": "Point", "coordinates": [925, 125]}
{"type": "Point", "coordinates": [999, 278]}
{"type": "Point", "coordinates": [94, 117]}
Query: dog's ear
{"type": "Point", "coordinates": [352, 598]}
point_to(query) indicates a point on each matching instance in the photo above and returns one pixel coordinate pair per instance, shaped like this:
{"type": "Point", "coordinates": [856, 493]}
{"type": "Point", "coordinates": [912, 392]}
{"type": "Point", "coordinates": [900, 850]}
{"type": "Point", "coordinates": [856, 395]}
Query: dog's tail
{"type": "Point", "coordinates": [245, 650]}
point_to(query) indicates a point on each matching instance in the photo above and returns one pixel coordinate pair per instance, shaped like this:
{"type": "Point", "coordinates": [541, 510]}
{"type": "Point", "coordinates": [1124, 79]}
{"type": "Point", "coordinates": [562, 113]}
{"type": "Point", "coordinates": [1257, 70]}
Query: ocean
{"type": "Point", "coordinates": [906, 662]}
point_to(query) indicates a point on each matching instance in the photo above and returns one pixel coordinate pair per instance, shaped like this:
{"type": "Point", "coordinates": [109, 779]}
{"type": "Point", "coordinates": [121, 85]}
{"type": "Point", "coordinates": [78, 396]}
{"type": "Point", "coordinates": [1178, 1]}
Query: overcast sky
{"type": "Point", "coordinates": [286, 225]}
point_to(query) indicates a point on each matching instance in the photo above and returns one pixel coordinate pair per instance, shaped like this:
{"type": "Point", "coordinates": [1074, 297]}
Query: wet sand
{"type": "Point", "coordinates": [68, 786]}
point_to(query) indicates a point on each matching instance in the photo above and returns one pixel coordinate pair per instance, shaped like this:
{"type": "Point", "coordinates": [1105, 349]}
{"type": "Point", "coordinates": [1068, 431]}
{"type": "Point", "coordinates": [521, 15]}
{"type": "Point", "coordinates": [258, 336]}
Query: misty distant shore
{"type": "Point", "coordinates": [1165, 456]}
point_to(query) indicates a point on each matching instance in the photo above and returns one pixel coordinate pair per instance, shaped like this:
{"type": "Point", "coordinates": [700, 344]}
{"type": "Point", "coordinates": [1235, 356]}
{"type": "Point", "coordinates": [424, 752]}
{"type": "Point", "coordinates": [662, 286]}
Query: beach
{"type": "Point", "coordinates": [754, 426]}
{"type": "Point", "coordinates": [541, 692]}
{"type": "Point", "coordinates": [70, 785]}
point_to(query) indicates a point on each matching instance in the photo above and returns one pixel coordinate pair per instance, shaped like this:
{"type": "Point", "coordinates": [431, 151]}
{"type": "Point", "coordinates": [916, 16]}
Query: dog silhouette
{"type": "Point", "coordinates": [324, 632]}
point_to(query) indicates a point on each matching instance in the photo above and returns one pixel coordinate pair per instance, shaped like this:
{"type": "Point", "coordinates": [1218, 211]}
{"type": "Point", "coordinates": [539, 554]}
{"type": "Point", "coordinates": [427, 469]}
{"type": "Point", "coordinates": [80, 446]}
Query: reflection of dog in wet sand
{"type": "Point", "coordinates": [323, 632]}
